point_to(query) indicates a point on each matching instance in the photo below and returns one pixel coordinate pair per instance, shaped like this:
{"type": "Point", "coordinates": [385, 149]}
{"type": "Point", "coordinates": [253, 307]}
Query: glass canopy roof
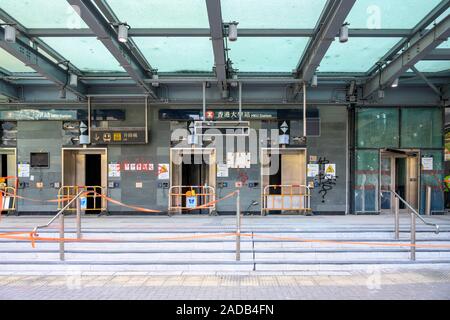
{"type": "Point", "coordinates": [161, 13]}
{"type": "Point", "coordinates": [88, 54]}
{"type": "Point", "coordinates": [356, 55]}
{"type": "Point", "coordinates": [266, 54]}
{"type": "Point", "coordinates": [193, 53]}
{"type": "Point", "coordinates": [11, 64]}
{"type": "Point", "coordinates": [43, 13]}
{"type": "Point", "coordinates": [389, 14]}
{"type": "Point", "coordinates": [177, 54]}
{"type": "Point", "coordinates": [273, 14]}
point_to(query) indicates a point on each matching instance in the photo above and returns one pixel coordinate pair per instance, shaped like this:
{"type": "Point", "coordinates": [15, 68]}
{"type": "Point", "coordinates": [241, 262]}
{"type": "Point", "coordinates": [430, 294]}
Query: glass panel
{"type": "Point", "coordinates": [177, 54]}
{"type": "Point", "coordinates": [367, 180]}
{"type": "Point", "coordinates": [432, 66]}
{"type": "Point", "coordinates": [266, 54]}
{"type": "Point", "coordinates": [87, 54]}
{"type": "Point", "coordinates": [434, 179]}
{"type": "Point", "coordinates": [43, 13]}
{"type": "Point", "coordinates": [377, 128]}
{"type": "Point", "coordinates": [162, 13]}
{"type": "Point", "coordinates": [356, 55]}
{"type": "Point", "coordinates": [389, 14]}
{"type": "Point", "coordinates": [273, 13]}
{"type": "Point", "coordinates": [421, 128]}
{"type": "Point", "coordinates": [11, 64]}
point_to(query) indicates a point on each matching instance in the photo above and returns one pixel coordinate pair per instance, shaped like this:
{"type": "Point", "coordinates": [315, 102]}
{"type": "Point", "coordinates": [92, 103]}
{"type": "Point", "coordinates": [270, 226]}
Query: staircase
{"type": "Point", "coordinates": [266, 246]}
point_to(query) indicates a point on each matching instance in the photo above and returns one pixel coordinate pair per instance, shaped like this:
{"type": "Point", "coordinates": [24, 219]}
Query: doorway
{"type": "Point", "coordinates": [86, 168]}
{"type": "Point", "coordinates": [8, 163]}
{"type": "Point", "coordinates": [283, 176]}
{"type": "Point", "coordinates": [193, 171]}
{"type": "Point", "coordinates": [399, 171]}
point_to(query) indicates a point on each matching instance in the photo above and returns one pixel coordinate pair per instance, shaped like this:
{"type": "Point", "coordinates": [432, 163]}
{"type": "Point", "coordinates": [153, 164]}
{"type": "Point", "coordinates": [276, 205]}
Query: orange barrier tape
{"type": "Point", "coordinates": [34, 200]}
{"type": "Point", "coordinates": [33, 238]}
{"type": "Point", "coordinates": [125, 205]}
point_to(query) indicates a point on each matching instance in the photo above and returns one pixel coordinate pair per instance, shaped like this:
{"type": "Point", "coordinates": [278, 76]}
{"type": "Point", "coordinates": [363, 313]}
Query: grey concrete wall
{"type": "Point", "coordinates": [46, 136]}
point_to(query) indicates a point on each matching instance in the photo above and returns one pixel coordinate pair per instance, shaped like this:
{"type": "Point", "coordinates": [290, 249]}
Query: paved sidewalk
{"type": "Point", "coordinates": [369, 284]}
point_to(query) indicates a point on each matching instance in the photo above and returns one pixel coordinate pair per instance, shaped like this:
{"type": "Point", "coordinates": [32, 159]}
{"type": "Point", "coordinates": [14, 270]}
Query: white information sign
{"type": "Point", "coordinates": [23, 170]}
{"type": "Point", "coordinates": [222, 170]}
{"type": "Point", "coordinates": [191, 202]}
{"type": "Point", "coordinates": [427, 163]}
{"type": "Point", "coordinates": [313, 170]}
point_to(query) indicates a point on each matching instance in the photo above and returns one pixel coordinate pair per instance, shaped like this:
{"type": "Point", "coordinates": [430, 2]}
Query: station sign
{"type": "Point", "coordinates": [118, 135]}
{"type": "Point", "coordinates": [61, 114]}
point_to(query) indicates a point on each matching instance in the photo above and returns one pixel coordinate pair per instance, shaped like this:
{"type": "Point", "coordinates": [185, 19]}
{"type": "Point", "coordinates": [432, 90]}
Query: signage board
{"type": "Point", "coordinates": [118, 135]}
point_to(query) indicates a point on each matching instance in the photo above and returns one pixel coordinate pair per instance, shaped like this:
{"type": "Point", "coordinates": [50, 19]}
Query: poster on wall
{"type": "Point", "coordinates": [163, 171]}
{"type": "Point", "coordinates": [427, 164]}
{"type": "Point", "coordinates": [114, 170]}
{"type": "Point", "coordinates": [330, 170]}
{"type": "Point", "coordinates": [23, 170]}
{"type": "Point", "coordinates": [313, 170]}
{"type": "Point", "coordinates": [222, 170]}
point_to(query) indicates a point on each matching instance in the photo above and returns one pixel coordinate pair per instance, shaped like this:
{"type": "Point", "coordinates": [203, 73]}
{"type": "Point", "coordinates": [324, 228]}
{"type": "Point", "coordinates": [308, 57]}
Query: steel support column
{"type": "Point", "coordinates": [216, 28]}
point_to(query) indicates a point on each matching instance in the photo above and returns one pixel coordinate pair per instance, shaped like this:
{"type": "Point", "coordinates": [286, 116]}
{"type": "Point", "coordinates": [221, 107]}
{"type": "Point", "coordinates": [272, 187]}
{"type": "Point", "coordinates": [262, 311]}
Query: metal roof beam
{"type": "Point", "coordinates": [205, 32]}
{"type": "Point", "coordinates": [8, 90]}
{"type": "Point", "coordinates": [335, 14]}
{"type": "Point", "coordinates": [106, 34]}
{"type": "Point", "coordinates": [216, 33]}
{"type": "Point", "coordinates": [439, 54]}
{"type": "Point", "coordinates": [41, 64]}
{"type": "Point", "coordinates": [416, 52]}
{"type": "Point", "coordinates": [417, 30]}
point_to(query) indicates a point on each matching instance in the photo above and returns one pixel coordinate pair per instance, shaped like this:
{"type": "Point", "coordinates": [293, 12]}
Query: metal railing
{"type": "Point", "coordinates": [66, 193]}
{"type": "Point", "coordinates": [291, 198]}
{"type": "Point", "coordinates": [8, 198]}
{"type": "Point", "coordinates": [414, 214]}
{"type": "Point", "coordinates": [179, 197]}
{"type": "Point", "coordinates": [60, 215]}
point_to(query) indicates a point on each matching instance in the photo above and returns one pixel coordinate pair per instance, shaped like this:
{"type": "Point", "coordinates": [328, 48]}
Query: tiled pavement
{"type": "Point", "coordinates": [369, 284]}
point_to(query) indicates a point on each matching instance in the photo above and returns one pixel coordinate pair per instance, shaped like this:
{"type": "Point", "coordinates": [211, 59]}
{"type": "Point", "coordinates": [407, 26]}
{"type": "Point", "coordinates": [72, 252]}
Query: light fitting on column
{"type": "Point", "coordinates": [343, 33]}
{"type": "Point", "coordinates": [122, 34]}
{"type": "Point", "coordinates": [395, 83]}
{"type": "Point", "coordinates": [62, 93]}
{"type": "Point", "coordinates": [155, 83]}
{"type": "Point", "coordinates": [232, 31]}
{"type": "Point", "coordinates": [314, 81]}
{"type": "Point", "coordinates": [73, 79]}
{"type": "Point", "coordinates": [10, 33]}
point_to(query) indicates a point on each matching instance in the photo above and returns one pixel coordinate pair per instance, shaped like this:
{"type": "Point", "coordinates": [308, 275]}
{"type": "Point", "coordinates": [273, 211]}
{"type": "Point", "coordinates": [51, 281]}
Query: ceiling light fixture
{"type": "Point", "coordinates": [314, 81]}
{"type": "Point", "coordinates": [122, 34]}
{"type": "Point", "coordinates": [395, 83]}
{"type": "Point", "coordinates": [343, 33]}
{"type": "Point", "coordinates": [10, 33]}
{"type": "Point", "coordinates": [232, 31]}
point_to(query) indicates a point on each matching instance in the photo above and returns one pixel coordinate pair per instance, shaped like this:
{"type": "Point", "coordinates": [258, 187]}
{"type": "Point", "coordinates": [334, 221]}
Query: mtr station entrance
{"type": "Point", "coordinates": [283, 177]}
{"type": "Point", "coordinates": [399, 172]}
{"type": "Point", "coordinates": [85, 168]}
{"type": "Point", "coordinates": [192, 180]}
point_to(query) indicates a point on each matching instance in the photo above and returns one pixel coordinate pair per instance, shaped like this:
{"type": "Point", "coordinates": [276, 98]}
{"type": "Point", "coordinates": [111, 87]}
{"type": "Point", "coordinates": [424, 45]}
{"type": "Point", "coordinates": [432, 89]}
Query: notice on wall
{"type": "Point", "coordinates": [163, 171]}
{"type": "Point", "coordinates": [330, 170]}
{"type": "Point", "coordinates": [313, 170]}
{"type": "Point", "coordinates": [23, 170]}
{"type": "Point", "coordinates": [222, 170]}
{"type": "Point", "coordinates": [427, 163]}
{"type": "Point", "coordinates": [114, 170]}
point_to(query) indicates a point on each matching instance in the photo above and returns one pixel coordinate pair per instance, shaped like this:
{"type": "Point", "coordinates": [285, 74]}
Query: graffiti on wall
{"type": "Point", "coordinates": [324, 181]}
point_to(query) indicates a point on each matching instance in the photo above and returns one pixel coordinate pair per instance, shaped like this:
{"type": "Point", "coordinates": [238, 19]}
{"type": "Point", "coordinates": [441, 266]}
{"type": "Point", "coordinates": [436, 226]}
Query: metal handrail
{"type": "Point", "coordinates": [415, 211]}
{"type": "Point", "coordinates": [414, 214]}
{"type": "Point", "coordinates": [60, 212]}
